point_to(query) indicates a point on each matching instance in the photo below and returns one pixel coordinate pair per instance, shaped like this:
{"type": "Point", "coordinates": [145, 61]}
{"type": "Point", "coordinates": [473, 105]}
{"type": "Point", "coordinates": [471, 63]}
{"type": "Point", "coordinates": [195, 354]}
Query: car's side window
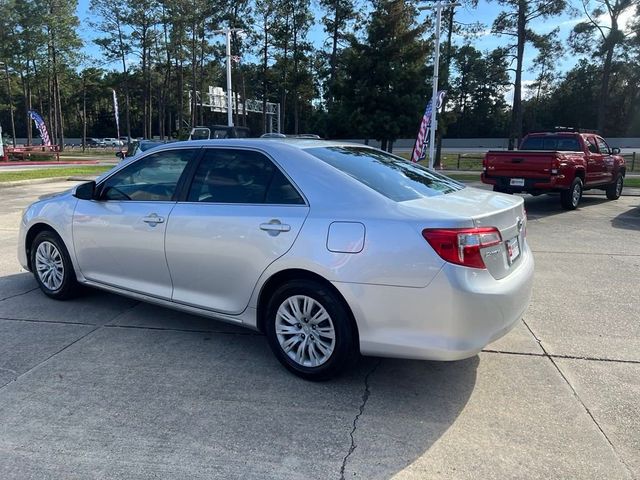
{"type": "Point", "coordinates": [240, 176]}
{"type": "Point", "coordinates": [593, 148]}
{"type": "Point", "coordinates": [604, 148]}
{"type": "Point", "coordinates": [153, 178]}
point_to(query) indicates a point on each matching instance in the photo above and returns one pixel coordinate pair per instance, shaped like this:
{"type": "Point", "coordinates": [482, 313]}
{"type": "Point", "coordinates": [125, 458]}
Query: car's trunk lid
{"type": "Point", "coordinates": [478, 208]}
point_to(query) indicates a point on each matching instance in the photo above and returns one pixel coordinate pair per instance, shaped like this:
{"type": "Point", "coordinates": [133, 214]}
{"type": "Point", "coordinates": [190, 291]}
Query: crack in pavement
{"type": "Point", "coordinates": [561, 356]}
{"type": "Point", "coordinates": [39, 364]}
{"type": "Point", "coordinates": [18, 377]}
{"type": "Point", "coordinates": [140, 327]}
{"type": "Point", "coordinates": [186, 330]}
{"type": "Point", "coordinates": [18, 294]}
{"type": "Point", "coordinates": [365, 399]}
{"type": "Point", "coordinates": [575, 394]}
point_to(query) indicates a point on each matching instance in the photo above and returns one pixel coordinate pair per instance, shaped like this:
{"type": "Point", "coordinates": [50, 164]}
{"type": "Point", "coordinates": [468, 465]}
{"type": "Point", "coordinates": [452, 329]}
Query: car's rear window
{"type": "Point", "coordinates": [557, 143]}
{"type": "Point", "coordinates": [387, 174]}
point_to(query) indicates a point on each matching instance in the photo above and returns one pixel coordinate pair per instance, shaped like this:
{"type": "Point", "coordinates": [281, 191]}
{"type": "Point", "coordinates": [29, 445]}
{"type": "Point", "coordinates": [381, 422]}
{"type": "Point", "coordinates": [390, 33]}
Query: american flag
{"type": "Point", "coordinates": [42, 128]}
{"type": "Point", "coordinates": [420, 147]}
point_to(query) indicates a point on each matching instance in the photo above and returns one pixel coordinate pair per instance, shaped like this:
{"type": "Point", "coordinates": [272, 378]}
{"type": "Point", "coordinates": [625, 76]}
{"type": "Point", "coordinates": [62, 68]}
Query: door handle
{"type": "Point", "coordinates": [274, 227]}
{"type": "Point", "coordinates": [153, 219]}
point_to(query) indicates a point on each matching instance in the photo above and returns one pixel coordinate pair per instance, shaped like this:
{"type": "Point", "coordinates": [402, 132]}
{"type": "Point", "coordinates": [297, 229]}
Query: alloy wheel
{"type": "Point", "coordinates": [305, 331]}
{"type": "Point", "coordinates": [49, 265]}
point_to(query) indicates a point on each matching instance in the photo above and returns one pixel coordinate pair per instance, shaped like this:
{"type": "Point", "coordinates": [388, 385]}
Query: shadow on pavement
{"type": "Point", "coordinates": [549, 205]}
{"type": "Point", "coordinates": [629, 220]}
{"type": "Point", "coordinates": [144, 402]}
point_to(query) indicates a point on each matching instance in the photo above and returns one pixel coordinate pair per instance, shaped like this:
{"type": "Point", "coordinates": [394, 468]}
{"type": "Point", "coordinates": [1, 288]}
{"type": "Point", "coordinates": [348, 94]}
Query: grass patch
{"type": "Point", "coordinates": [632, 182]}
{"type": "Point", "coordinates": [89, 153]}
{"type": "Point", "coordinates": [454, 161]}
{"type": "Point", "coordinates": [36, 173]}
{"type": "Point", "coordinates": [464, 177]}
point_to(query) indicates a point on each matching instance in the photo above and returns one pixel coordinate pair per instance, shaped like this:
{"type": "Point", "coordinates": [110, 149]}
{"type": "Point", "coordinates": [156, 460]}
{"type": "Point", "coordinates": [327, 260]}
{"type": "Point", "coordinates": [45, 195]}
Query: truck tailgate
{"type": "Point", "coordinates": [520, 163]}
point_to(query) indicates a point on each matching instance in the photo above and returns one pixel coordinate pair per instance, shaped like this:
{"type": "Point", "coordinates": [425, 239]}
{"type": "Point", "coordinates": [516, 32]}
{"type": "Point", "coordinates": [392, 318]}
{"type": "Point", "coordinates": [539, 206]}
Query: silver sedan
{"type": "Point", "coordinates": [331, 249]}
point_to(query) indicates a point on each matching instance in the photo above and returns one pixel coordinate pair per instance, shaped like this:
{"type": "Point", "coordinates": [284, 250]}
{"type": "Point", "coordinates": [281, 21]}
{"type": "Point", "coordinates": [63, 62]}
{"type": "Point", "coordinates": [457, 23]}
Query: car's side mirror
{"type": "Point", "coordinates": [85, 191]}
{"type": "Point", "coordinates": [615, 151]}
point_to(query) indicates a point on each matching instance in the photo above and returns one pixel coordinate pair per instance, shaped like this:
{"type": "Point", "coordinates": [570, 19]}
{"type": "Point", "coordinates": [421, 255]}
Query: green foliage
{"type": "Point", "coordinates": [385, 86]}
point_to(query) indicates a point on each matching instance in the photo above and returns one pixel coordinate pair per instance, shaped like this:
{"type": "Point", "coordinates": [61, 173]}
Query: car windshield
{"type": "Point", "coordinates": [558, 143]}
{"type": "Point", "coordinates": [387, 174]}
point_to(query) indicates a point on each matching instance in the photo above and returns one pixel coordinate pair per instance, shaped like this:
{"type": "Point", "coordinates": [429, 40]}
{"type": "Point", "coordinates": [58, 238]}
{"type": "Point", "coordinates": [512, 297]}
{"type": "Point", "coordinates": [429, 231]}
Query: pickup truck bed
{"type": "Point", "coordinates": [582, 162]}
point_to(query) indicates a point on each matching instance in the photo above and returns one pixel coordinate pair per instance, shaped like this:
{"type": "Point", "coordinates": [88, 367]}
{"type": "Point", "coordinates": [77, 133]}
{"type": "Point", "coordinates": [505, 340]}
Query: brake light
{"type": "Point", "coordinates": [462, 245]}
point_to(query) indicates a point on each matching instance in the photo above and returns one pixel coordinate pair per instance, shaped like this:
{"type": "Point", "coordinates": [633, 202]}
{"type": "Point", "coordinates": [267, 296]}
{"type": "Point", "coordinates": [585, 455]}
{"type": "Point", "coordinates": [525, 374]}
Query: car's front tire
{"type": "Point", "coordinates": [52, 266]}
{"type": "Point", "coordinates": [571, 198]}
{"type": "Point", "coordinates": [614, 191]}
{"type": "Point", "coordinates": [309, 329]}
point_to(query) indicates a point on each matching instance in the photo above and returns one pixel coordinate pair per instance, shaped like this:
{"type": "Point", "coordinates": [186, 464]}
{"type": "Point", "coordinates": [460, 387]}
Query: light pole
{"type": "Point", "coordinates": [439, 6]}
{"type": "Point", "coordinates": [13, 124]}
{"type": "Point", "coordinates": [228, 32]}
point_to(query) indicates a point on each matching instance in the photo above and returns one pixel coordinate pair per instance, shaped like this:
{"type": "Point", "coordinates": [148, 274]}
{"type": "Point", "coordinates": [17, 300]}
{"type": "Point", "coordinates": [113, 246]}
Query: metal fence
{"type": "Point", "coordinates": [473, 161]}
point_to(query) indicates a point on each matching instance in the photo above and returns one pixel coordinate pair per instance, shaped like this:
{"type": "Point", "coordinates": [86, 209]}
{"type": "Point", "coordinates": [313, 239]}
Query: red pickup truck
{"type": "Point", "coordinates": [567, 162]}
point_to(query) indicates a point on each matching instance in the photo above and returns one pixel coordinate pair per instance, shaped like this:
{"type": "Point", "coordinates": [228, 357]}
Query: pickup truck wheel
{"type": "Point", "coordinates": [571, 197]}
{"type": "Point", "coordinates": [615, 189]}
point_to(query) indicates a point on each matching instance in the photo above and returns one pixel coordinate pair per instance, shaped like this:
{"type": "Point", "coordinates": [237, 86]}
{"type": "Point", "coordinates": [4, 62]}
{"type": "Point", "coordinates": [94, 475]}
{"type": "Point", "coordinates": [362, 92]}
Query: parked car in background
{"type": "Point", "coordinates": [218, 132]}
{"type": "Point", "coordinates": [138, 147]}
{"type": "Point", "coordinates": [566, 161]}
{"type": "Point", "coordinates": [331, 249]}
{"type": "Point", "coordinates": [311, 136]}
{"type": "Point", "coordinates": [113, 142]}
{"type": "Point", "coordinates": [96, 142]}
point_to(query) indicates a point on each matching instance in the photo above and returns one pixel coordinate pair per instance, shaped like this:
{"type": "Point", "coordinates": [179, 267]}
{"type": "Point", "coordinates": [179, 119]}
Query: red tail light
{"type": "Point", "coordinates": [462, 245]}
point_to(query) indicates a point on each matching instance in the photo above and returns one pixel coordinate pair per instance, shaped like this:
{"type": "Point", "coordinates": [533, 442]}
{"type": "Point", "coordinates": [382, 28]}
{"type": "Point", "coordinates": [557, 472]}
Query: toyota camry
{"type": "Point", "coordinates": [331, 249]}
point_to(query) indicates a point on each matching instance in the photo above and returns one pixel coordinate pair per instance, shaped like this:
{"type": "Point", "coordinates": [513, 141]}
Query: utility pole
{"type": "Point", "coordinates": [228, 32]}
{"type": "Point", "coordinates": [439, 5]}
{"type": "Point", "coordinates": [13, 124]}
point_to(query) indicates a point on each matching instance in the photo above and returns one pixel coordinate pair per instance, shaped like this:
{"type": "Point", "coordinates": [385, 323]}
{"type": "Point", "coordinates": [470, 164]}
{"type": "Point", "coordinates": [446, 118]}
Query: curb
{"type": "Point", "coordinates": [39, 181]}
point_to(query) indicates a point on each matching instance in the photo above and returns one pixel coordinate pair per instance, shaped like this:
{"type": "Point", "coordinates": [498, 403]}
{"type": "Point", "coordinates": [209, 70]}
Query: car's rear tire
{"type": "Point", "coordinates": [571, 198]}
{"type": "Point", "coordinates": [309, 330]}
{"type": "Point", "coordinates": [52, 267]}
{"type": "Point", "coordinates": [614, 191]}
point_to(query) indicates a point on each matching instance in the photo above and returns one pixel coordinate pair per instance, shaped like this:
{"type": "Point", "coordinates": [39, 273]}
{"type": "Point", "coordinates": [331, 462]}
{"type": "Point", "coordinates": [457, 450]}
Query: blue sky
{"type": "Point", "coordinates": [484, 13]}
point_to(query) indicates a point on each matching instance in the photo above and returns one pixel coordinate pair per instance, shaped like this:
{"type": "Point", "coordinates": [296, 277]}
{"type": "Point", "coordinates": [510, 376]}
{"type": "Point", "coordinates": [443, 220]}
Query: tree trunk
{"type": "Point", "coordinates": [516, 113]}
{"type": "Point", "coordinates": [265, 65]}
{"type": "Point", "coordinates": [332, 62]}
{"type": "Point", "coordinates": [604, 90]}
{"type": "Point", "coordinates": [447, 68]}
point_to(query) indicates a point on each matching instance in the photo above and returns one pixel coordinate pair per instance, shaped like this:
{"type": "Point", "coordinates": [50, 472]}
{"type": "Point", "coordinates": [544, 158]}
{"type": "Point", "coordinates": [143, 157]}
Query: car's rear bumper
{"type": "Point", "coordinates": [458, 314]}
{"type": "Point", "coordinates": [553, 182]}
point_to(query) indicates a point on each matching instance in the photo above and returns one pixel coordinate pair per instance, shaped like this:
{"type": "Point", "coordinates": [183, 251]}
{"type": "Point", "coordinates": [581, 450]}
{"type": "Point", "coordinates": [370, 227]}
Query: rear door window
{"type": "Point", "coordinates": [393, 177]}
{"type": "Point", "coordinates": [241, 176]}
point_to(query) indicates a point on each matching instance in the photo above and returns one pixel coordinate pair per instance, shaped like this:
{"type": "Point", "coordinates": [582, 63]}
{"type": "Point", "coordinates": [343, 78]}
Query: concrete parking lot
{"type": "Point", "coordinates": [106, 387]}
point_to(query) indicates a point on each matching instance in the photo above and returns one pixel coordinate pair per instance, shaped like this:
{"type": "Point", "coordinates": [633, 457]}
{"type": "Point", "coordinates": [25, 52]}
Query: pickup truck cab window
{"type": "Point", "coordinates": [604, 148]}
{"type": "Point", "coordinates": [551, 142]}
{"type": "Point", "coordinates": [592, 145]}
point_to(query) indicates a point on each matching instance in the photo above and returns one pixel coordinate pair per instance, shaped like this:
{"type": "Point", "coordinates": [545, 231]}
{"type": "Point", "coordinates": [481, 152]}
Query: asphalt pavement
{"type": "Point", "coordinates": [107, 387]}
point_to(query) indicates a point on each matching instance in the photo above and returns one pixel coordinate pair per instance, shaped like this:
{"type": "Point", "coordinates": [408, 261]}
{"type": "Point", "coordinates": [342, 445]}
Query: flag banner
{"type": "Point", "coordinates": [115, 112]}
{"type": "Point", "coordinates": [42, 128]}
{"type": "Point", "coordinates": [422, 142]}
